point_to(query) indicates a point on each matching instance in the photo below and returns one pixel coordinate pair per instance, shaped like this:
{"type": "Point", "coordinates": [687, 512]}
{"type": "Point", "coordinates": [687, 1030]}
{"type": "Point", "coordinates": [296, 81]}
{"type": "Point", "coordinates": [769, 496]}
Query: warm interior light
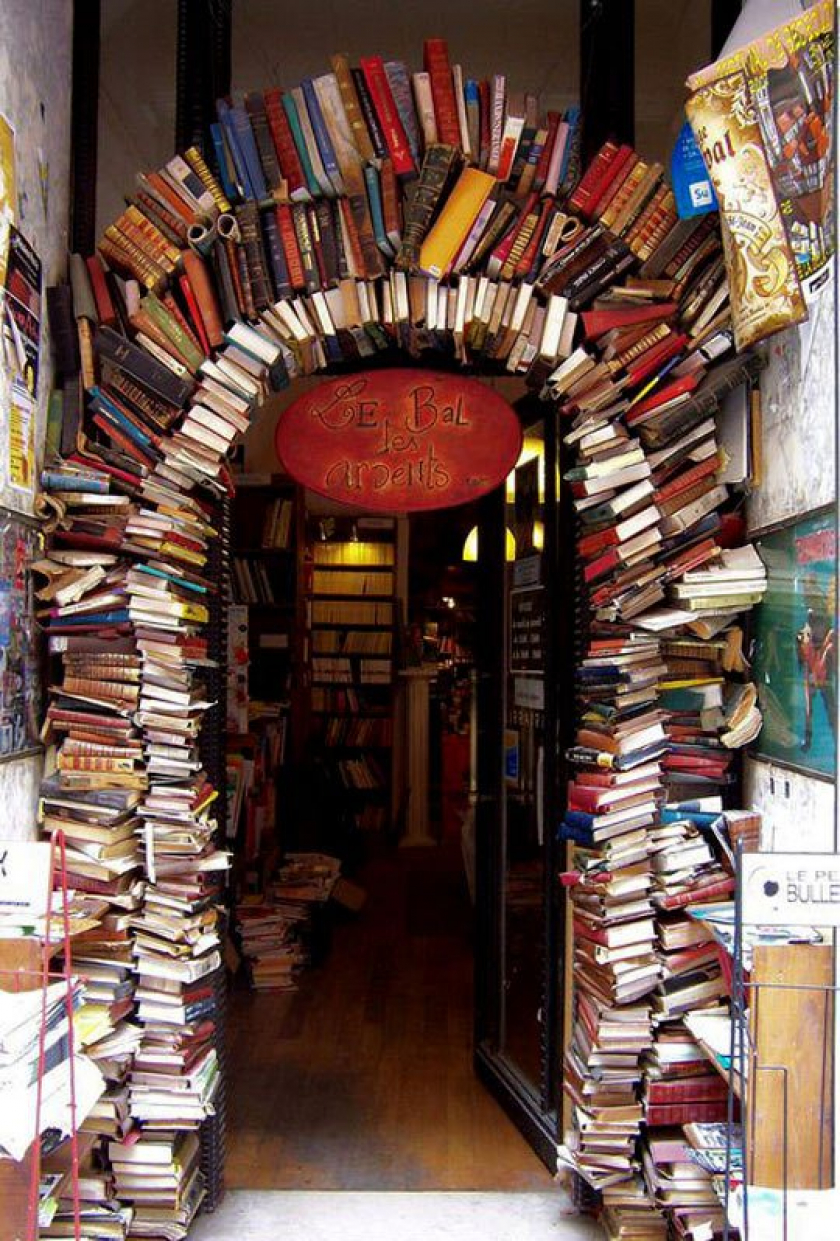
{"type": "Point", "coordinates": [539, 536]}
{"type": "Point", "coordinates": [531, 447]}
{"type": "Point", "coordinates": [470, 551]}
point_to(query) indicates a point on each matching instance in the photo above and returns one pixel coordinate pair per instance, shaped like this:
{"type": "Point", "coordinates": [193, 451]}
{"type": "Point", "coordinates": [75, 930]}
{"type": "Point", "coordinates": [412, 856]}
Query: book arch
{"type": "Point", "coordinates": [400, 252]}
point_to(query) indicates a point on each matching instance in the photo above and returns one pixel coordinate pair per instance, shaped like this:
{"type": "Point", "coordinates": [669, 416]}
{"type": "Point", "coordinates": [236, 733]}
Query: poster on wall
{"type": "Point", "coordinates": [763, 122]}
{"type": "Point", "coordinates": [20, 687]}
{"type": "Point", "coordinates": [795, 655]}
{"type": "Point", "coordinates": [8, 191]}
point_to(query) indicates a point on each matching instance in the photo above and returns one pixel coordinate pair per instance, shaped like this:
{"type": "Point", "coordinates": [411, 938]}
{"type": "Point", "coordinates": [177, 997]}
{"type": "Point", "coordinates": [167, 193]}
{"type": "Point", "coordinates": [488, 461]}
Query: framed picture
{"type": "Point", "coordinates": [795, 651]}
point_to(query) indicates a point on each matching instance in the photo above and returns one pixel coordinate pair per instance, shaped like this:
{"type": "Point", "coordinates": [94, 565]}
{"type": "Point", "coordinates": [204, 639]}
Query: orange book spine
{"type": "Point", "coordinates": [161, 250]}
{"type": "Point", "coordinates": [122, 254]}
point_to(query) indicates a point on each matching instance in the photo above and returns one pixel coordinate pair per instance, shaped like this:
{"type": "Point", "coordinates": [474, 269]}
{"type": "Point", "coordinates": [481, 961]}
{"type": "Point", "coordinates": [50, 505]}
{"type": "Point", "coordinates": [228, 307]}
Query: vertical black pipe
{"type": "Point", "coordinates": [202, 67]}
{"type": "Point", "coordinates": [607, 73]}
{"type": "Point", "coordinates": [84, 125]}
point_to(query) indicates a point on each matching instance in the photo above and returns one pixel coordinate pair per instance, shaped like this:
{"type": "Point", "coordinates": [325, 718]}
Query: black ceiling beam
{"type": "Point", "coordinates": [607, 73]}
{"type": "Point", "coordinates": [84, 125]}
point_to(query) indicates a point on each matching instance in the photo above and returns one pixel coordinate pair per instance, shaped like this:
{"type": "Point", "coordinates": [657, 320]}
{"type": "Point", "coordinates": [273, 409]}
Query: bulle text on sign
{"type": "Point", "coordinates": [399, 440]}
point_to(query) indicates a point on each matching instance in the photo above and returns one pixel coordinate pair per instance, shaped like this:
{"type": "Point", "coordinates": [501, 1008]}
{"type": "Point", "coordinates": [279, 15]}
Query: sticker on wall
{"type": "Point", "coordinates": [8, 191]}
{"type": "Point", "coordinates": [400, 440]}
{"type": "Point", "coordinates": [790, 889]}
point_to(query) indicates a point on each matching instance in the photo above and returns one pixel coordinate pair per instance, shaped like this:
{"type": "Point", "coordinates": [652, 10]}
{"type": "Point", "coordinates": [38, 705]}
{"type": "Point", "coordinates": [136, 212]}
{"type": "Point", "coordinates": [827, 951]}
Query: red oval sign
{"type": "Point", "coordinates": [399, 441]}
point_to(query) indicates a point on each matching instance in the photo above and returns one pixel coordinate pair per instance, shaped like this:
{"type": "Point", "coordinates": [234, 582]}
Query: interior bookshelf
{"type": "Point", "coordinates": [266, 517]}
{"type": "Point", "coordinates": [350, 591]}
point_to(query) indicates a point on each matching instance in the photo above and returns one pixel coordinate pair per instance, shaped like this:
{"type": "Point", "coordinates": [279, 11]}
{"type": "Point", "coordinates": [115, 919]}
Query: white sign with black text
{"type": "Point", "coordinates": [790, 889]}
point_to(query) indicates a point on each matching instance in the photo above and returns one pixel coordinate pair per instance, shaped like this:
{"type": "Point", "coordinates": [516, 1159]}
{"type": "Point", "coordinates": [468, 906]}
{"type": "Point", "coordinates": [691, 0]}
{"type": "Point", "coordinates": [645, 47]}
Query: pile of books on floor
{"type": "Point", "coordinates": [275, 929]}
{"type": "Point", "coordinates": [159, 1175]}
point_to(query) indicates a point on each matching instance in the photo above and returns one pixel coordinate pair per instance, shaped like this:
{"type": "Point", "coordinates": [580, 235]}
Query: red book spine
{"type": "Point", "coordinates": [683, 481]}
{"type": "Point", "coordinates": [389, 118]}
{"type": "Point", "coordinates": [484, 121]}
{"type": "Point", "coordinates": [101, 295]}
{"type": "Point", "coordinates": [698, 896]}
{"type": "Point", "coordinates": [584, 192]}
{"type": "Point", "coordinates": [616, 175]}
{"type": "Point", "coordinates": [650, 362]}
{"type": "Point", "coordinates": [195, 312]}
{"type": "Point", "coordinates": [291, 249]}
{"type": "Point", "coordinates": [529, 254]}
{"type": "Point", "coordinates": [707, 1089]}
{"type": "Point", "coordinates": [284, 143]}
{"type": "Point", "coordinates": [677, 387]}
{"type": "Point", "coordinates": [593, 543]}
{"type": "Point", "coordinates": [125, 442]}
{"type": "Point", "coordinates": [436, 64]}
{"type": "Point", "coordinates": [503, 249]}
{"type": "Point", "coordinates": [131, 480]}
{"type": "Point", "coordinates": [553, 124]}
{"type": "Point", "coordinates": [686, 1113]}
{"type": "Point", "coordinates": [598, 322]}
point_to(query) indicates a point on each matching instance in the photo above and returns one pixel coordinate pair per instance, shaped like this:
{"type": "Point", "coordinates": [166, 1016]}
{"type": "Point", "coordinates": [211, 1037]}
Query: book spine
{"type": "Point", "coordinates": [282, 286]}
{"type": "Point", "coordinates": [322, 136]}
{"type": "Point", "coordinates": [497, 123]}
{"type": "Point", "coordinates": [552, 126]}
{"type": "Point", "coordinates": [284, 144]}
{"type": "Point", "coordinates": [436, 64]}
{"type": "Point", "coordinates": [306, 247]}
{"type": "Point", "coordinates": [256, 110]}
{"type": "Point", "coordinates": [400, 84]}
{"type": "Point", "coordinates": [247, 217]}
{"type": "Point", "coordinates": [199, 166]}
{"type": "Point", "coordinates": [593, 180]}
{"type": "Point", "coordinates": [399, 151]}
{"type": "Point", "coordinates": [368, 111]}
{"type": "Point", "coordinates": [438, 164]}
{"type": "Point", "coordinates": [291, 249]}
{"type": "Point", "coordinates": [340, 65]}
{"type": "Point", "coordinates": [204, 292]}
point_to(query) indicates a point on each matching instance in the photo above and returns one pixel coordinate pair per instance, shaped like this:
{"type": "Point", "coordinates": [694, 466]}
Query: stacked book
{"type": "Point", "coordinates": [666, 575]}
{"type": "Point", "coordinates": [270, 945]}
{"type": "Point", "coordinates": [159, 1175]}
{"type": "Point", "coordinates": [373, 209]}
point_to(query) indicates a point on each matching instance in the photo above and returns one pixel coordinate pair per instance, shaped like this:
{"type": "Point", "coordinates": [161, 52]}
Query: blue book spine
{"type": "Point", "coordinates": [222, 162]}
{"type": "Point", "coordinates": [290, 109]}
{"type": "Point", "coordinates": [276, 255]}
{"type": "Point", "coordinates": [322, 135]}
{"type": "Point", "coordinates": [569, 831]}
{"type": "Point", "coordinates": [375, 202]}
{"type": "Point", "coordinates": [117, 617]}
{"type": "Point", "coordinates": [53, 481]}
{"type": "Point", "coordinates": [171, 577]}
{"type": "Point", "coordinates": [101, 405]}
{"type": "Point", "coordinates": [248, 146]}
{"type": "Point", "coordinates": [572, 119]}
{"type": "Point", "coordinates": [245, 189]}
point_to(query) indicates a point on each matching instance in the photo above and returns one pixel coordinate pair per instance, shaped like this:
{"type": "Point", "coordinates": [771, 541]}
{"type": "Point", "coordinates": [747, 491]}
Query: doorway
{"type": "Point", "coordinates": [374, 1073]}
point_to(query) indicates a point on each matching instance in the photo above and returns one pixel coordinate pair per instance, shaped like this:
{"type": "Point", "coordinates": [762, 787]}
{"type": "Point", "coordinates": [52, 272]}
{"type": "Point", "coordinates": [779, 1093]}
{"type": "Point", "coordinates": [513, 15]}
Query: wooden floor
{"type": "Point", "coordinates": [363, 1078]}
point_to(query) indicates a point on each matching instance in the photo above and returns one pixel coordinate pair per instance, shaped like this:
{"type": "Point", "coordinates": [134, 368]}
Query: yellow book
{"type": "Point", "coordinates": [449, 232]}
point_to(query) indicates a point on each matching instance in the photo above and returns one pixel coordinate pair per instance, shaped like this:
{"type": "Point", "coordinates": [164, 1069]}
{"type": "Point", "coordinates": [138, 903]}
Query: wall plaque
{"type": "Point", "coordinates": [399, 440]}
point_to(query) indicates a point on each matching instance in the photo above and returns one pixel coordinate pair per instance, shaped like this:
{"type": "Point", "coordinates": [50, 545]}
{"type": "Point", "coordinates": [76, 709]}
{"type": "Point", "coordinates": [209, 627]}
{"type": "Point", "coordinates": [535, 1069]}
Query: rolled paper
{"type": "Point", "coordinates": [228, 227]}
{"type": "Point", "coordinates": [201, 236]}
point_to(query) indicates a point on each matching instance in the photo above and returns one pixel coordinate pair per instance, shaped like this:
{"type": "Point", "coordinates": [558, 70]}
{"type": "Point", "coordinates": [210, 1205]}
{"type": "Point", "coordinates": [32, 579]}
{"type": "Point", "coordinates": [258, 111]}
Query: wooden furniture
{"type": "Point", "coordinates": [349, 645]}
{"type": "Point", "coordinates": [265, 541]}
{"type": "Point", "coordinates": [790, 1112]}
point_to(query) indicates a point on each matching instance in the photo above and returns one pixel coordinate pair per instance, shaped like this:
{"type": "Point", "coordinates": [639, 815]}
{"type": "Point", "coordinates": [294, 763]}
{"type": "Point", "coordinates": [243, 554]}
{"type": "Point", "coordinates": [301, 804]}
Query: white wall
{"type": "Point", "coordinates": [35, 68]}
